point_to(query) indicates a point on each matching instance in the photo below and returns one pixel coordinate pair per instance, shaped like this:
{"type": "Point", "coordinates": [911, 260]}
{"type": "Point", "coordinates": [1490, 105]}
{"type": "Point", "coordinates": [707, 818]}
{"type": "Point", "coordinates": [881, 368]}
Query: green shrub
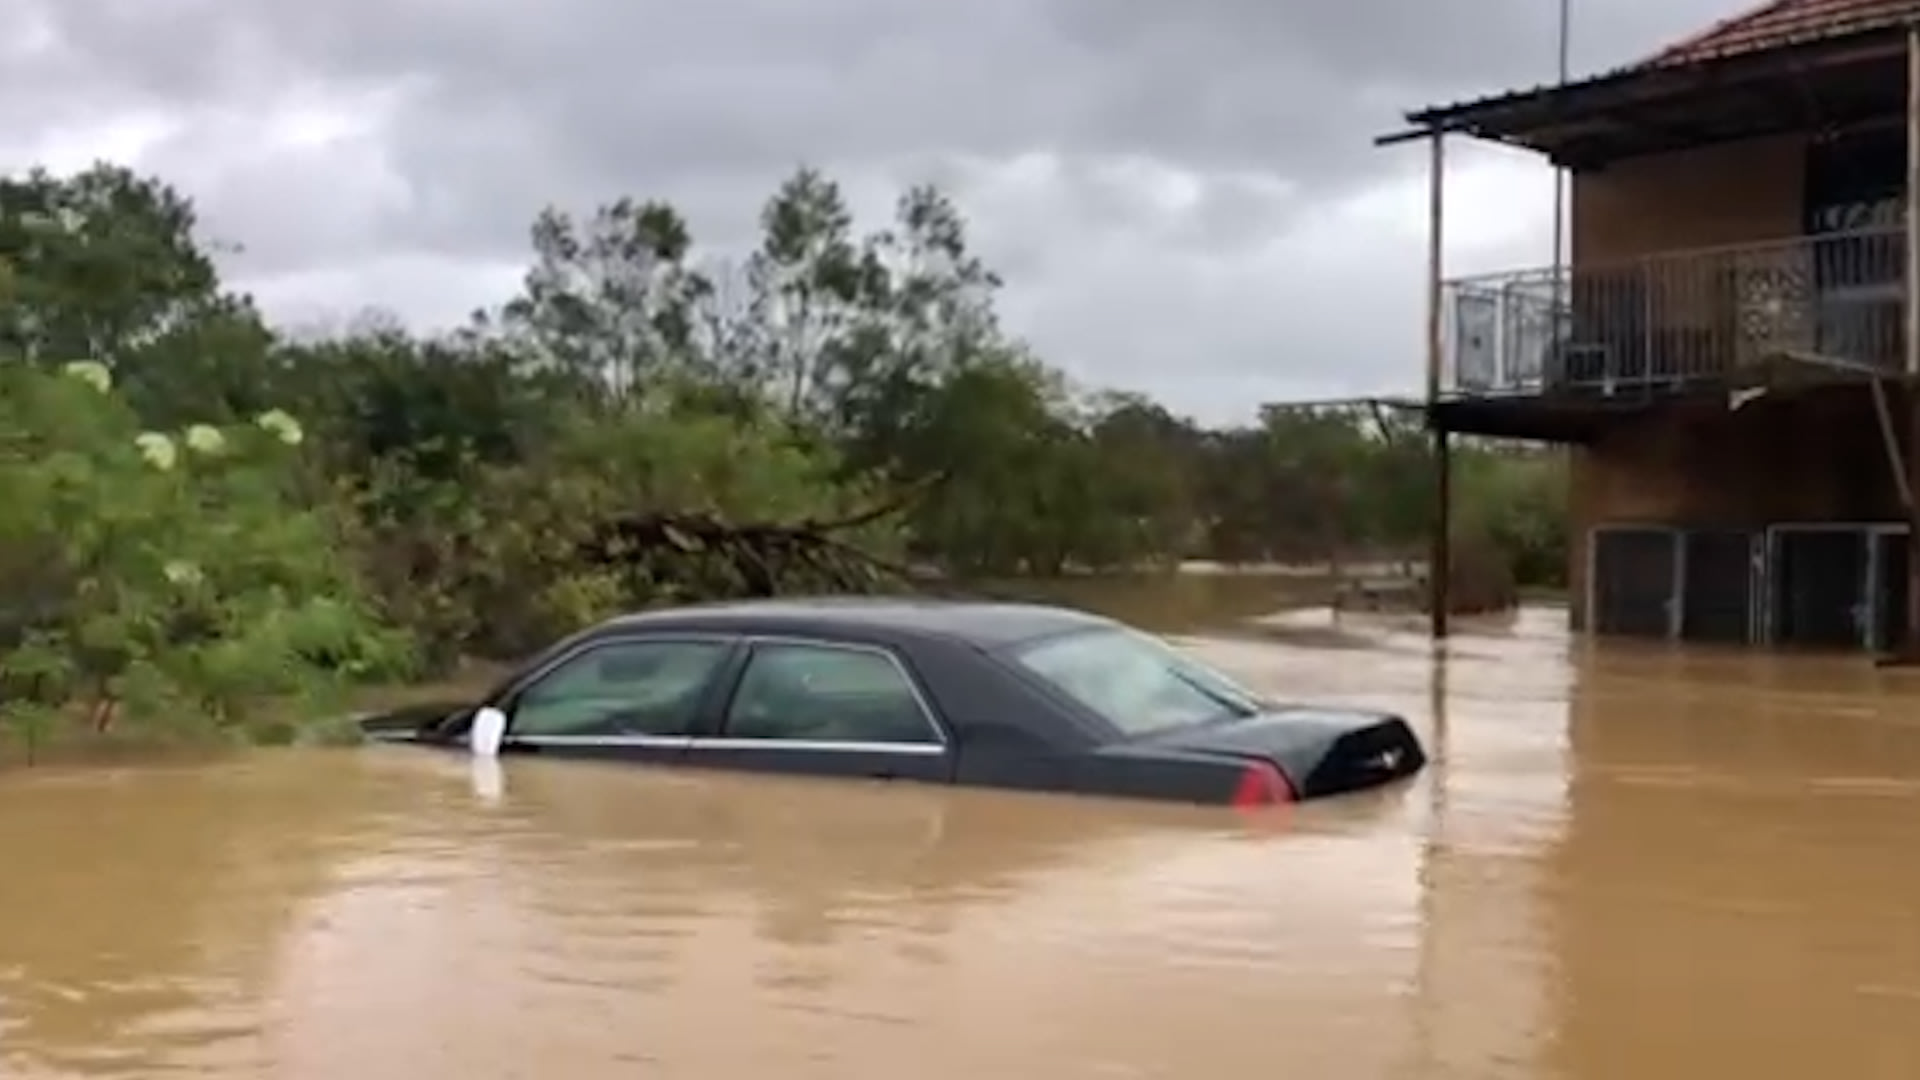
{"type": "Point", "coordinates": [179, 580]}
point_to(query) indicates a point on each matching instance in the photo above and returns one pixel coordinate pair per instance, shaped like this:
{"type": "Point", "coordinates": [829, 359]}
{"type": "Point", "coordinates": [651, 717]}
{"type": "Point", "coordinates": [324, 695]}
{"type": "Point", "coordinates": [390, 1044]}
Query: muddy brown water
{"type": "Point", "coordinates": [1626, 863]}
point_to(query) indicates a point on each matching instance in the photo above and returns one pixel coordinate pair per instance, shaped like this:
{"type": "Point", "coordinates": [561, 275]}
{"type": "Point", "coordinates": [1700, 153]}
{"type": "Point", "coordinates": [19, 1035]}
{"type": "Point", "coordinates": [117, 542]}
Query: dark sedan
{"type": "Point", "coordinates": [997, 695]}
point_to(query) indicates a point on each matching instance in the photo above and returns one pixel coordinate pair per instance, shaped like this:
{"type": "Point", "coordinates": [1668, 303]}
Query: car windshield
{"type": "Point", "coordinates": [1136, 682]}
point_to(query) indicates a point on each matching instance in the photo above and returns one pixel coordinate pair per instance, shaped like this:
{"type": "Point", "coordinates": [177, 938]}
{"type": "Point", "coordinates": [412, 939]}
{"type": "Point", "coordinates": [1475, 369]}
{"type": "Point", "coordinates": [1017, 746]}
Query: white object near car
{"type": "Point", "coordinates": [489, 728]}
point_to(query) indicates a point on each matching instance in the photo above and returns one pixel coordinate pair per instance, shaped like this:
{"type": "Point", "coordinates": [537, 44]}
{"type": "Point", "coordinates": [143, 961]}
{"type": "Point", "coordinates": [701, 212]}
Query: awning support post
{"type": "Point", "coordinates": [1440, 551]}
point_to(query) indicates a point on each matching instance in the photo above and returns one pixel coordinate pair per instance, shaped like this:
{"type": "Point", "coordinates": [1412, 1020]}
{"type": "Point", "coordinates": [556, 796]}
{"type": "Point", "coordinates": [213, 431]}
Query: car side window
{"type": "Point", "coordinates": [827, 693]}
{"type": "Point", "coordinates": [621, 688]}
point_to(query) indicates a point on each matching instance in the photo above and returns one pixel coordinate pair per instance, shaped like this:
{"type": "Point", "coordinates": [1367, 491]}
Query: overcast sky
{"type": "Point", "coordinates": [1182, 194]}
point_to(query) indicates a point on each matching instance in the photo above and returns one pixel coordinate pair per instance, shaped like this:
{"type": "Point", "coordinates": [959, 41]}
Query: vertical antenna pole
{"type": "Point", "coordinates": [1563, 73]}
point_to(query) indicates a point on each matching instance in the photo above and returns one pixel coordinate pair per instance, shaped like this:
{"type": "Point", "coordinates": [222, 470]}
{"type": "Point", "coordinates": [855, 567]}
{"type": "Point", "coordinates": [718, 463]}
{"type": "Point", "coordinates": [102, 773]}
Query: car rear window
{"type": "Point", "coordinates": [1134, 681]}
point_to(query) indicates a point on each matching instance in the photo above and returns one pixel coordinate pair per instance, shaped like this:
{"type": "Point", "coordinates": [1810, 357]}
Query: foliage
{"type": "Point", "coordinates": [172, 578]}
{"type": "Point", "coordinates": [639, 424]}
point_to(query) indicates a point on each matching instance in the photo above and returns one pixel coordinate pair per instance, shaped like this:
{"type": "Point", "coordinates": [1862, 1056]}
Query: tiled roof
{"type": "Point", "coordinates": [1782, 23]}
{"type": "Point", "coordinates": [1778, 24]}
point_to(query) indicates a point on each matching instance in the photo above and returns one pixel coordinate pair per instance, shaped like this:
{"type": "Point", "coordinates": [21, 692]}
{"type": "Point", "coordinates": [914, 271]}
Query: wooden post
{"type": "Point", "coordinates": [1436, 207]}
{"type": "Point", "coordinates": [1441, 557]}
{"type": "Point", "coordinates": [1440, 551]}
{"type": "Point", "coordinates": [1912, 337]}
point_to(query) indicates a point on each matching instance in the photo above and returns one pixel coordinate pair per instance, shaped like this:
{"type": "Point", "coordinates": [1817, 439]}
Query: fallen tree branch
{"type": "Point", "coordinates": [899, 504]}
{"type": "Point", "coordinates": [765, 558]}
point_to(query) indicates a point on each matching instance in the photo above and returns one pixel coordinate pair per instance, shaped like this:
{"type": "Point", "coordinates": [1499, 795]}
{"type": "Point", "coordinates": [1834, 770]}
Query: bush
{"type": "Point", "coordinates": [178, 579]}
{"type": "Point", "coordinates": [1482, 578]}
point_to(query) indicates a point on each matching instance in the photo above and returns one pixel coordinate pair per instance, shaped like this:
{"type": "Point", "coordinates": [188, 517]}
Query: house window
{"type": "Point", "coordinates": [1855, 205]}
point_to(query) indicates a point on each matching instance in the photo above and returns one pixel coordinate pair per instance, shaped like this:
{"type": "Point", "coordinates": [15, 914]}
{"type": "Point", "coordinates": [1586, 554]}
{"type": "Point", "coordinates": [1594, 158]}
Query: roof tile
{"type": "Point", "coordinates": [1781, 23]}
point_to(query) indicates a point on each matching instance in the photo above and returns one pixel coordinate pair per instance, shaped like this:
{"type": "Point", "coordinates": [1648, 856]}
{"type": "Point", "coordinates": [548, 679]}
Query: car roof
{"type": "Point", "coordinates": [986, 624]}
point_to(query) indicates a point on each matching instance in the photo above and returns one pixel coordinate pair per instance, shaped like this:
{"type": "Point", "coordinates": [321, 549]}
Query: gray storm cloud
{"type": "Point", "coordinates": [1259, 111]}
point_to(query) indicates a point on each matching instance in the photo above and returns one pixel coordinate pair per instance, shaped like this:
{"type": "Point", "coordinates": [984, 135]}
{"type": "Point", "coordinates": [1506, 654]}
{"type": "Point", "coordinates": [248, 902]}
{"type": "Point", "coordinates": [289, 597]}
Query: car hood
{"type": "Point", "coordinates": [1322, 751]}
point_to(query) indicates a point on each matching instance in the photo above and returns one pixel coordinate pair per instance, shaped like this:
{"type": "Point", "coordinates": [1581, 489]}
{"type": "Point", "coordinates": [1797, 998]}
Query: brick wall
{"type": "Point", "coordinates": [1732, 193]}
{"type": "Point", "coordinates": [1808, 457]}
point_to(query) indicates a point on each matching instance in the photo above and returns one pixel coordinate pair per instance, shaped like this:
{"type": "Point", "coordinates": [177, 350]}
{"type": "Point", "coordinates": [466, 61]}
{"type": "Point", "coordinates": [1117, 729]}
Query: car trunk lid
{"type": "Point", "coordinates": [1320, 751]}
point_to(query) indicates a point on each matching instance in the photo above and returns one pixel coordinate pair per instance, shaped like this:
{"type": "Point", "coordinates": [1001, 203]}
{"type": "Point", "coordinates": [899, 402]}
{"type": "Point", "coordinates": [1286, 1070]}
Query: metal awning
{"type": "Point", "coordinates": [1830, 83]}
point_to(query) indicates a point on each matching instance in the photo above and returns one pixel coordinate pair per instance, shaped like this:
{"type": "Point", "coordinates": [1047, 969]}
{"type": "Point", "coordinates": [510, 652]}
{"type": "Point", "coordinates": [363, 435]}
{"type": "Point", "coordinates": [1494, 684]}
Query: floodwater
{"type": "Point", "coordinates": [1625, 863]}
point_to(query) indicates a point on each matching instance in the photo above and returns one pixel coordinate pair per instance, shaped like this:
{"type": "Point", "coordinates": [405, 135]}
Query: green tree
{"type": "Point", "coordinates": [101, 261]}
{"type": "Point", "coordinates": [105, 265]}
{"type": "Point", "coordinates": [611, 302]}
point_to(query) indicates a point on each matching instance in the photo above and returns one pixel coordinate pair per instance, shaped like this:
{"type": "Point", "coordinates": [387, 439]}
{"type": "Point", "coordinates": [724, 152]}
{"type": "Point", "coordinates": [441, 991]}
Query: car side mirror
{"type": "Point", "coordinates": [489, 730]}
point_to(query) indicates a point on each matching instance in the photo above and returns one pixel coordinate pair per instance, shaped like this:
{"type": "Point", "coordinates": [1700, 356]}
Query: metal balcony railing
{"type": "Point", "coordinates": [1664, 321]}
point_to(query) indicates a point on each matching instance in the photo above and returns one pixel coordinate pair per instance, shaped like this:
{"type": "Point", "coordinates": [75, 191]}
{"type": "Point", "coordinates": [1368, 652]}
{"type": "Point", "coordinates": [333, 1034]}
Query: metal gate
{"type": "Point", "coordinates": [1818, 584]}
{"type": "Point", "coordinates": [1633, 581]}
{"type": "Point", "coordinates": [1717, 573]}
{"type": "Point", "coordinates": [1887, 593]}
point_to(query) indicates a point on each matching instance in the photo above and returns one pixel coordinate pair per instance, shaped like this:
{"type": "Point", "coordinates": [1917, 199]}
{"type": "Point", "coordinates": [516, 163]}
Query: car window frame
{"type": "Point", "coordinates": [717, 737]}
{"type": "Point", "coordinates": [717, 691]}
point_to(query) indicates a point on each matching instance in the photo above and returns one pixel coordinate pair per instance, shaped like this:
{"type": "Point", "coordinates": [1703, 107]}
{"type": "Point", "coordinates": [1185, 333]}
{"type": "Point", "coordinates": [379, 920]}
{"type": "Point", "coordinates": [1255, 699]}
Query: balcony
{"type": "Point", "coordinates": [1675, 322]}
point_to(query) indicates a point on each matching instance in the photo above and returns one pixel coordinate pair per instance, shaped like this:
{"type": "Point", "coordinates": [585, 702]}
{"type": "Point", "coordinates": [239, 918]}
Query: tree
{"type": "Point", "coordinates": [611, 303]}
{"type": "Point", "coordinates": [102, 262]}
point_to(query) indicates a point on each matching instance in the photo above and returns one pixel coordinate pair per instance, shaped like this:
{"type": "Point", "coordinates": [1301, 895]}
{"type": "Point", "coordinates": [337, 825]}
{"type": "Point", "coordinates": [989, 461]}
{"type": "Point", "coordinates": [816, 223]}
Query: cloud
{"type": "Point", "coordinates": [1183, 197]}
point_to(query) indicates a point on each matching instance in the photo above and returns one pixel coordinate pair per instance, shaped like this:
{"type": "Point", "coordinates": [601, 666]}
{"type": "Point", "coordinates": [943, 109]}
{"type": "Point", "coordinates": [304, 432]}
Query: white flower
{"type": "Point", "coordinates": [181, 572]}
{"type": "Point", "coordinates": [93, 373]}
{"type": "Point", "coordinates": [205, 439]}
{"type": "Point", "coordinates": [157, 449]}
{"type": "Point", "coordinates": [281, 426]}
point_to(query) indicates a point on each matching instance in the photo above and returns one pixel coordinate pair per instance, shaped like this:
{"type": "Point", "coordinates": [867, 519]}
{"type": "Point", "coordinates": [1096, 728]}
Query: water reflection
{"type": "Point", "coordinates": [889, 924]}
{"type": "Point", "coordinates": [1624, 862]}
{"type": "Point", "coordinates": [1740, 832]}
{"type": "Point", "coordinates": [487, 779]}
{"type": "Point", "coordinates": [142, 906]}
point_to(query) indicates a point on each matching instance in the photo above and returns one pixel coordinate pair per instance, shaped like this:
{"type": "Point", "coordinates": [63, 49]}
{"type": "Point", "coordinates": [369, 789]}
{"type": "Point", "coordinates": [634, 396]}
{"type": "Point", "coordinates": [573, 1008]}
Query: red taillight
{"type": "Point", "coordinates": [1262, 784]}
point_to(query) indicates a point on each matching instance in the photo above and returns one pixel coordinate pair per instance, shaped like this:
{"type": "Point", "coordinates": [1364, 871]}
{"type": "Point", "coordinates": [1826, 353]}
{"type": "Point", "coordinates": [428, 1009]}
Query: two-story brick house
{"type": "Point", "coordinates": [1726, 352]}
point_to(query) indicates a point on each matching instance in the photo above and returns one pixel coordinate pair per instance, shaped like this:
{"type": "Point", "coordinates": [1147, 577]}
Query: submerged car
{"type": "Point", "coordinates": [1017, 696]}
